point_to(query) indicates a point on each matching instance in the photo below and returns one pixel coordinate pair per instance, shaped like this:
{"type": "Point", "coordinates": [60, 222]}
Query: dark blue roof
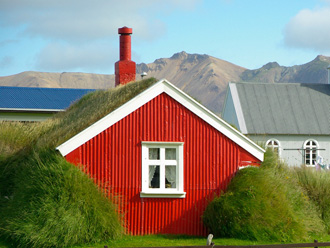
{"type": "Point", "coordinates": [39, 98]}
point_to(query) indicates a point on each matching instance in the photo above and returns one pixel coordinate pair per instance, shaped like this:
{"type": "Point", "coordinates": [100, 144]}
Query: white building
{"type": "Point", "coordinates": [293, 119]}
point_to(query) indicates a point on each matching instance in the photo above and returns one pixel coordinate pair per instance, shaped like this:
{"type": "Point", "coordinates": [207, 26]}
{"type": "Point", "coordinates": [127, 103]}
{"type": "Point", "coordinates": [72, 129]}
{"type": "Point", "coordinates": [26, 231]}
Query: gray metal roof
{"type": "Point", "coordinates": [280, 108]}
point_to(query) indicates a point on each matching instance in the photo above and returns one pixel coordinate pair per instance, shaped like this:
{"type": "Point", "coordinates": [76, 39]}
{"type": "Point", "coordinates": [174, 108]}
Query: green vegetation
{"type": "Point", "coordinates": [47, 202]}
{"type": "Point", "coordinates": [270, 203]}
{"type": "Point", "coordinates": [165, 240]}
{"type": "Point", "coordinates": [44, 200]}
{"type": "Point", "coordinates": [317, 186]}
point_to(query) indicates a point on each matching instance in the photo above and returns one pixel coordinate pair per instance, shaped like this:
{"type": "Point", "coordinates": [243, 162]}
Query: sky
{"type": "Point", "coordinates": [82, 35]}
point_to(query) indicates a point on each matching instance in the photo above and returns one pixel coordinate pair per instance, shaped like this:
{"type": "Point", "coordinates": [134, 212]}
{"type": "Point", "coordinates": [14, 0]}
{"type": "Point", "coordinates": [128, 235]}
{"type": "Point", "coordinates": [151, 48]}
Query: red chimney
{"type": "Point", "coordinates": [125, 68]}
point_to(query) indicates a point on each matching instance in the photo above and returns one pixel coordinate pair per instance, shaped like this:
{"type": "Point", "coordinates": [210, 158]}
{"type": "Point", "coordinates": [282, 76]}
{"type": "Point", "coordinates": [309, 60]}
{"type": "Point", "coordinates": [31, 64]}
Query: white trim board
{"type": "Point", "coordinates": [238, 108]}
{"type": "Point", "coordinates": [162, 86]}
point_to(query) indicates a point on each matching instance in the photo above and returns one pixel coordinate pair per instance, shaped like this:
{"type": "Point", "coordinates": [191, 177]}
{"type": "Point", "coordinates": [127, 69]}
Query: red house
{"type": "Point", "coordinates": [164, 156]}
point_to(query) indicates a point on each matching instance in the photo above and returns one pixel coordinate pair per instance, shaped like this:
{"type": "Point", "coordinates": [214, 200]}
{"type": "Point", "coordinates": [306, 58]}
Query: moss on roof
{"type": "Point", "coordinates": [90, 109]}
{"type": "Point", "coordinates": [15, 136]}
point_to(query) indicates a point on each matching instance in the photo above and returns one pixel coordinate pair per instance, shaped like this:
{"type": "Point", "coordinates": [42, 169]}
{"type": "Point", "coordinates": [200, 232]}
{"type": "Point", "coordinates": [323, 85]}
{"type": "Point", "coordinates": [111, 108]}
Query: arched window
{"type": "Point", "coordinates": [311, 152]}
{"type": "Point", "coordinates": [274, 145]}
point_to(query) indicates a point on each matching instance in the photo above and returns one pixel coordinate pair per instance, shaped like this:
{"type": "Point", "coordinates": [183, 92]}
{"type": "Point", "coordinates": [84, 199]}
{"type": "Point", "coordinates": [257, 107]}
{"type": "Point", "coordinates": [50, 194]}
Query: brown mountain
{"type": "Point", "coordinates": [312, 72]}
{"type": "Point", "coordinates": [203, 77]}
{"type": "Point", "coordinates": [59, 80]}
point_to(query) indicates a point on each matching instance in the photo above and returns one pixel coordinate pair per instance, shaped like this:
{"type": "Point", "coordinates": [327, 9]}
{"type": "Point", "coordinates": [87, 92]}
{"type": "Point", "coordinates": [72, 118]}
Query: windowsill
{"type": "Point", "coordinates": [162, 194]}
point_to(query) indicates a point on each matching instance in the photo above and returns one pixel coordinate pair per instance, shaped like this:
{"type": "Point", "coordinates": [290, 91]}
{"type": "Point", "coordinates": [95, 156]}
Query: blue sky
{"type": "Point", "coordinates": [81, 35]}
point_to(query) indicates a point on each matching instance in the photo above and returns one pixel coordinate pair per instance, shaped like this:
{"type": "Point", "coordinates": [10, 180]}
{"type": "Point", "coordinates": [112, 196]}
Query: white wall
{"type": "Point", "coordinates": [295, 157]}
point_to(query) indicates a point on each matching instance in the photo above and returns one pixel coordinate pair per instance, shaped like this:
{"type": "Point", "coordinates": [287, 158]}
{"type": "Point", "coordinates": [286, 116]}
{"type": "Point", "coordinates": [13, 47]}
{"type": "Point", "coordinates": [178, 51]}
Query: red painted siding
{"type": "Point", "coordinates": [113, 160]}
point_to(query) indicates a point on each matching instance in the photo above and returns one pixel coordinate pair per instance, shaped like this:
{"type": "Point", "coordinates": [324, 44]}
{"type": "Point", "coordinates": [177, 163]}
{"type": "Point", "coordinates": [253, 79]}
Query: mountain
{"type": "Point", "coordinates": [312, 72]}
{"type": "Point", "coordinates": [59, 80]}
{"type": "Point", "coordinates": [203, 77]}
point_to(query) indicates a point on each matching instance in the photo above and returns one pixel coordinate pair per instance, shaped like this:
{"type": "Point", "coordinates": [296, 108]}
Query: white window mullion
{"type": "Point", "coordinates": [162, 168]}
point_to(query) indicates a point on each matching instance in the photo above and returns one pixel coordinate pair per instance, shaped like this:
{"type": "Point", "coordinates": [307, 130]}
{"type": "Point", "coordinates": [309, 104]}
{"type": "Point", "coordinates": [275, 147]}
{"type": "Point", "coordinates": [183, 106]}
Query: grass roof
{"type": "Point", "coordinates": [15, 136]}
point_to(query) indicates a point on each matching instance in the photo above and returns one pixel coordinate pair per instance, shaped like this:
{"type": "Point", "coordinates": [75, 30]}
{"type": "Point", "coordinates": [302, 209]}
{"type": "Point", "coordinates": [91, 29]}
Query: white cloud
{"type": "Point", "coordinates": [309, 29]}
{"type": "Point", "coordinates": [80, 34]}
{"type": "Point", "coordinates": [65, 57]}
{"type": "Point", "coordinates": [82, 21]}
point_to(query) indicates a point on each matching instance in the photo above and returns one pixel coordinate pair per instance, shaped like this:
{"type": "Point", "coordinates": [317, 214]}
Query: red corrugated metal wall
{"type": "Point", "coordinates": [113, 159]}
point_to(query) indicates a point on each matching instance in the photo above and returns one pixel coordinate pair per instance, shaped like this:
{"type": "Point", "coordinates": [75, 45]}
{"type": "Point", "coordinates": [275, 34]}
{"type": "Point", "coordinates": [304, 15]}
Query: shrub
{"type": "Point", "coordinates": [265, 204]}
{"type": "Point", "coordinates": [317, 185]}
{"type": "Point", "coordinates": [47, 202]}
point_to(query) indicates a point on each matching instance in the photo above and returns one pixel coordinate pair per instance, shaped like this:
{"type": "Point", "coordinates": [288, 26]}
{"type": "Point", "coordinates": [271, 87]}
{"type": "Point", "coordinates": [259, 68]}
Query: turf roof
{"type": "Point", "coordinates": [87, 111]}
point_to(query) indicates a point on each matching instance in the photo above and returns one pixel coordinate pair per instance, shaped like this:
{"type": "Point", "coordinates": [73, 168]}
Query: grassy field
{"type": "Point", "coordinates": [159, 240]}
{"type": "Point", "coordinates": [172, 240]}
{"type": "Point", "coordinates": [165, 240]}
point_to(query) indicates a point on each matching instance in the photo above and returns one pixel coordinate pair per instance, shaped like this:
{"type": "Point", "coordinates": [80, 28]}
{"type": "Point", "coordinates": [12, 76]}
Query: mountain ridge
{"type": "Point", "coordinates": [202, 76]}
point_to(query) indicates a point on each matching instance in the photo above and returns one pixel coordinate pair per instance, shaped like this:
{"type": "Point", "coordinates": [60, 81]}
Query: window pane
{"type": "Point", "coordinates": [154, 153]}
{"type": "Point", "coordinates": [170, 153]}
{"type": "Point", "coordinates": [154, 176]}
{"type": "Point", "coordinates": [170, 176]}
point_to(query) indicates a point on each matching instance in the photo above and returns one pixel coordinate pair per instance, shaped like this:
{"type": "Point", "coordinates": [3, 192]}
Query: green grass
{"type": "Point", "coordinates": [165, 240]}
{"type": "Point", "coordinates": [265, 204]}
{"type": "Point", "coordinates": [158, 240]}
{"type": "Point", "coordinates": [15, 136]}
{"type": "Point", "coordinates": [44, 200]}
{"type": "Point", "coordinates": [317, 187]}
{"type": "Point", "coordinates": [47, 202]}
{"type": "Point", "coordinates": [173, 240]}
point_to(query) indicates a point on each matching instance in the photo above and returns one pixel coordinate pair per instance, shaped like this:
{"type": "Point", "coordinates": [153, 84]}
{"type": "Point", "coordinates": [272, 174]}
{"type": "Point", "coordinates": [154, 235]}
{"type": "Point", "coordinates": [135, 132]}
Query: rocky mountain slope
{"type": "Point", "coordinates": [59, 80]}
{"type": "Point", "coordinates": [202, 76]}
{"type": "Point", "coordinates": [312, 72]}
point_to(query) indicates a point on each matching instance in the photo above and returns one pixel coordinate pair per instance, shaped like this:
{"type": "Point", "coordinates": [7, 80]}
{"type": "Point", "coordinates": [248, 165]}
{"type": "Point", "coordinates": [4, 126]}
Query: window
{"type": "Point", "coordinates": [162, 169]}
{"type": "Point", "coordinates": [311, 152]}
{"type": "Point", "coordinates": [274, 145]}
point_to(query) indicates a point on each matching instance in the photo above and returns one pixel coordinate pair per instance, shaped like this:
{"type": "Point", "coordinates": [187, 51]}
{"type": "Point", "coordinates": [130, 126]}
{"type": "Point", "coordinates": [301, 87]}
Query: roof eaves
{"type": "Point", "coordinates": [156, 89]}
{"type": "Point", "coordinates": [216, 122]}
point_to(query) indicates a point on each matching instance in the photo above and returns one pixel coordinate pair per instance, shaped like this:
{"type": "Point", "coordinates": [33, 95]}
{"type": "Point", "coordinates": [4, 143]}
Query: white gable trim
{"type": "Point", "coordinates": [238, 108]}
{"type": "Point", "coordinates": [147, 95]}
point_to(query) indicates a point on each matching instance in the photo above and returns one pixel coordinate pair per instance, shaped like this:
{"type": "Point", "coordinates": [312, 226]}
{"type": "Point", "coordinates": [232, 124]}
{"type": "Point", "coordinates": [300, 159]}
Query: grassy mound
{"type": "Point", "coordinates": [265, 203]}
{"type": "Point", "coordinates": [44, 200]}
{"type": "Point", "coordinates": [317, 186]}
{"type": "Point", "coordinates": [47, 202]}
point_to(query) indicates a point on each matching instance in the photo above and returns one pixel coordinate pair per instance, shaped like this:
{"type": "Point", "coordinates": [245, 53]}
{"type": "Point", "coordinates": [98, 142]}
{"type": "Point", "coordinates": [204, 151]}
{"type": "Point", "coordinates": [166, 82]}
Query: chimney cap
{"type": "Point", "coordinates": [125, 30]}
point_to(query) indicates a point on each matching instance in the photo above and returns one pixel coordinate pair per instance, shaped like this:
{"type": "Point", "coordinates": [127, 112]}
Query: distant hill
{"type": "Point", "coordinates": [203, 77]}
{"type": "Point", "coordinates": [312, 72]}
{"type": "Point", "coordinates": [59, 80]}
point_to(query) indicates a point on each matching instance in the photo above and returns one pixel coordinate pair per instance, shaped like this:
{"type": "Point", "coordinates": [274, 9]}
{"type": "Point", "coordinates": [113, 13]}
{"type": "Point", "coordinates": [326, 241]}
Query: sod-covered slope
{"type": "Point", "coordinates": [44, 200]}
{"type": "Point", "coordinates": [269, 203]}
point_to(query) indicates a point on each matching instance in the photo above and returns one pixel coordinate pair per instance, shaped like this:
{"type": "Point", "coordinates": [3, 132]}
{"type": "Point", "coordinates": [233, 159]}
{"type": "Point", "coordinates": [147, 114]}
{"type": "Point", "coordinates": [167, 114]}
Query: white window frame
{"type": "Point", "coordinates": [308, 146]}
{"type": "Point", "coordinates": [270, 144]}
{"type": "Point", "coordinates": [162, 192]}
